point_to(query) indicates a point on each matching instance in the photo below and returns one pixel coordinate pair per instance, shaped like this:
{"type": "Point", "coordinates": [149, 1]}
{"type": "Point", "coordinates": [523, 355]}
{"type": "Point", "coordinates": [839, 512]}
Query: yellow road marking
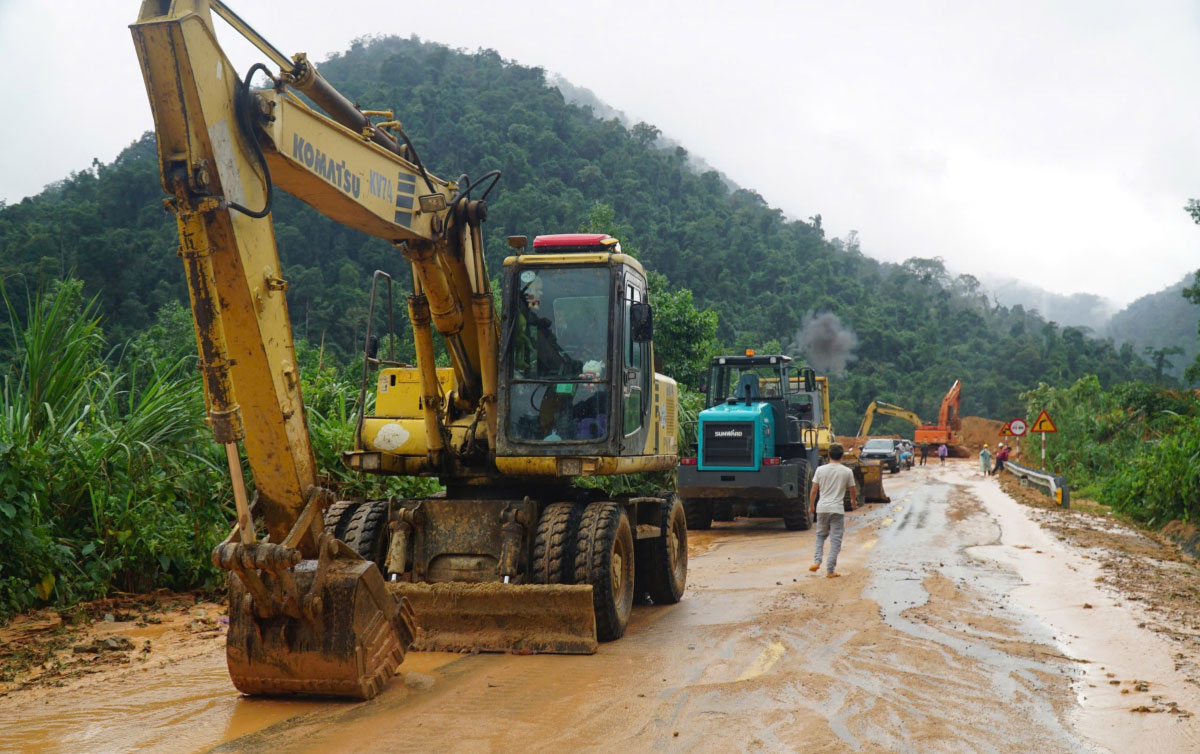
{"type": "Point", "coordinates": [870, 544]}
{"type": "Point", "coordinates": [765, 660]}
{"type": "Point", "coordinates": [885, 522]}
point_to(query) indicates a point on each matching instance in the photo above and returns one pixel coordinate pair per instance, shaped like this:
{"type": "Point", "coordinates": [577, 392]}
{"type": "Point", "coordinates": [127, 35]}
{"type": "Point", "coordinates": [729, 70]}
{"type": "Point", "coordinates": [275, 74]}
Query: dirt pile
{"type": "Point", "coordinates": [976, 431]}
{"type": "Point", "coordinates": [48, 648]}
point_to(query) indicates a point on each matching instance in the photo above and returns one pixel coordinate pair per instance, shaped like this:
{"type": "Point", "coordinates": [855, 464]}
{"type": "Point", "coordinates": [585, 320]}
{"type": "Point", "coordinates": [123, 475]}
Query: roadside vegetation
{"type": "Point", "coordinates": [1134, 447]}
{"type": "Point", "coordinates": [110, 477]}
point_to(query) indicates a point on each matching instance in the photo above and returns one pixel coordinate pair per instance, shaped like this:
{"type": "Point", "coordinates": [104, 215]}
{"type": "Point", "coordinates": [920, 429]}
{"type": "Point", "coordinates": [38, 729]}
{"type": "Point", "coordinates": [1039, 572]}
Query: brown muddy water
{"type": "Point", "coordinates": [957, 626]}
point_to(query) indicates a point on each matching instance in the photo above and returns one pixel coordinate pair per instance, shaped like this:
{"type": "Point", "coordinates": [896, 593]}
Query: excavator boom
{"type": "Point", "coordinates": [491, 563]}
{"type": "Point", "coordinates": [307, 614]}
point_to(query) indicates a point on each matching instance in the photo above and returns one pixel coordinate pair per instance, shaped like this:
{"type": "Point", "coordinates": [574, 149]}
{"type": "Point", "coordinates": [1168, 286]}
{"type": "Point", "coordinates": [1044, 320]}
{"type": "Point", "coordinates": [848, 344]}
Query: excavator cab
{"type": "Point", "coordinates": [576, 365]}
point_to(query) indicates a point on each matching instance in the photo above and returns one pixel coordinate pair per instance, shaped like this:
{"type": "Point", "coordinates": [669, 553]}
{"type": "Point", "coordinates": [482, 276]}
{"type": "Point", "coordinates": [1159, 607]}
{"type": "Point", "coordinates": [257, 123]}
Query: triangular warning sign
{"type": "Point", "coordinates": [1006, 430]}
{"type": "Point", "coordinates": [1043, 423]}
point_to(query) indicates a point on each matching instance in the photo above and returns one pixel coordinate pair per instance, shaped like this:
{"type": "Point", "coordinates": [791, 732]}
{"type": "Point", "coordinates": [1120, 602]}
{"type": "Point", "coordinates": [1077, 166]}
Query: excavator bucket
{"type": "Point", "coordinates": [348, 641]}
{"type": "Point", "coordinates": [869, 477]}
{"type": "Point", "coordinates": [495, 617]}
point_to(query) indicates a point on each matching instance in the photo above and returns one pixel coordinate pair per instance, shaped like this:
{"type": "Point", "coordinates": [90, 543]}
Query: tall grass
{"type": "Point", "coordinates": [109, 477]}
{"type": "Point", "coordinates": [104, 482]}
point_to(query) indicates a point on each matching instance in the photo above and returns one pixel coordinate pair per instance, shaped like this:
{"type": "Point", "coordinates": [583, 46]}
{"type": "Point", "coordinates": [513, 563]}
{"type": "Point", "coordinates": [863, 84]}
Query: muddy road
{"type": "Point", "coordinates": [960, 625]}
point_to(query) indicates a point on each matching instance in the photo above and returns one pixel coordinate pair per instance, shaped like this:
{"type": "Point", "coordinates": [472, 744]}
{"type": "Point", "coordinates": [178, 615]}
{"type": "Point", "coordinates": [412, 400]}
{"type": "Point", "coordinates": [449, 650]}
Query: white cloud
{"type": "Point", "coordinates": [1051, 142]}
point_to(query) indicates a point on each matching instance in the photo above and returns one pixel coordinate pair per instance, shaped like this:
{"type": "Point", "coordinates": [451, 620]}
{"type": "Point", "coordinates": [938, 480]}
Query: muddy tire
{"type": "Point", "coordinates": [796, 515]}
{"type": "Point", "coordinates": [699, 514]}
{"type": "Point", "coordinates": [367, 532]}
{"type": "Point", "coordinates": [605, 559]}
{"type": "Point", "coordinates": [338, 515]}
{"type": "Point", "coordinates": [554, 544]}
{"type": "Point", "coordinates": [662, 561]}
{"type": "Point", "coordinates": [722, 511]}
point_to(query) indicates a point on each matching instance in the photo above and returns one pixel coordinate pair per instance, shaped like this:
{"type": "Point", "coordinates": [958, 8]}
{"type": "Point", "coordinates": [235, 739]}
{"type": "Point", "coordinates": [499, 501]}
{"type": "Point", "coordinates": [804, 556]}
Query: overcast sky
{"type": "Point", "coordinates": [1051, 142]}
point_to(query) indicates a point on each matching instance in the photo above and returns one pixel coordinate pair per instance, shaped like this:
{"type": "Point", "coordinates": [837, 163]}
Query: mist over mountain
{"type": "Point", "coordinates": [1075, 309]}
{"type": "Point", "coordinates": [1160, 320]}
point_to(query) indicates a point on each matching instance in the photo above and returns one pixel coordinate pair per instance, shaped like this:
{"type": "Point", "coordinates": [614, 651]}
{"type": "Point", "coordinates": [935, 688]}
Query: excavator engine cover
{"type": "Point", "coordinates": [349, 644]}
{"type": "Point", "coordinates": [496, 617]}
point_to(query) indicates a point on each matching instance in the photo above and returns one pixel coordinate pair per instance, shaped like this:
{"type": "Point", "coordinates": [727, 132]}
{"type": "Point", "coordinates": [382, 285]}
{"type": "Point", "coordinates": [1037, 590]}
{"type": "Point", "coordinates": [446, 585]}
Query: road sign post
{"type": "Point", "coordinates": [1043, 426]}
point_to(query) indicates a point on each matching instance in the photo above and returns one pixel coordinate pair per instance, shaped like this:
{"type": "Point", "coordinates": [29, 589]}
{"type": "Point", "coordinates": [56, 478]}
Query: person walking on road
{"type": "Point", "coordinates": [942, 453]}
{"type": "Point", "coordinates": [924, 452]}
{"type": "Point", "coordinates": [985, 460]}
{"type": "Point", "coordinates": [829, 485]}
{"type": "Point", "coordinates": [1001, 457]}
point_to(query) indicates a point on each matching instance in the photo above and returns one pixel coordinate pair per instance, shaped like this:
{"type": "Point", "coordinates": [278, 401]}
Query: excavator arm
{"type": "Point", "coordinates": [886, 409]}
{"type": "Point", "coordinates": [307, 614]}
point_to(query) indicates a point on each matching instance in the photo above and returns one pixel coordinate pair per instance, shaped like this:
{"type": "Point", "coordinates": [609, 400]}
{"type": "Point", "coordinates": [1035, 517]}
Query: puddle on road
{"type": "Point", "coordinates": [957, 660]}
{"type": "Point", "coordinates": [1105, 638]}
{"type": "Point", "coordinates": [189, 707]}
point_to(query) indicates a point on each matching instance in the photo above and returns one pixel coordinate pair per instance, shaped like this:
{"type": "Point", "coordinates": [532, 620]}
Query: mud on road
{"type": "Point", "coordinates": [964, 622]}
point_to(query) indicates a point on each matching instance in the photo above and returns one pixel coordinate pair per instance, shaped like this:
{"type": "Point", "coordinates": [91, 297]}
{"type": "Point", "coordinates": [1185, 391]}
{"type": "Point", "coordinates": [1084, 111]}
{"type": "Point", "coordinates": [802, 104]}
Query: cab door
{"type": "Point", "coordinates": [636, 371]}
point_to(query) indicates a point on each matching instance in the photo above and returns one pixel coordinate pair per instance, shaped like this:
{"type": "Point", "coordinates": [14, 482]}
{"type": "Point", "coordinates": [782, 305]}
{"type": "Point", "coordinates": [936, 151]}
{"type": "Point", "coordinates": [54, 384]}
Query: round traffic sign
{"type": "Point", "coordinates": [1017, 427]}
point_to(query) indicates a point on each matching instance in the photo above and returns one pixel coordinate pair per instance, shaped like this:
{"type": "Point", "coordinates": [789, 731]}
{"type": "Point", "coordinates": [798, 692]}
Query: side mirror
{"type": "Point", "coordinates": [810, 379]}
{"type": "Point", "coordinates": [641, 322]}
{"type": "Point", "coordinates": [372, 347]}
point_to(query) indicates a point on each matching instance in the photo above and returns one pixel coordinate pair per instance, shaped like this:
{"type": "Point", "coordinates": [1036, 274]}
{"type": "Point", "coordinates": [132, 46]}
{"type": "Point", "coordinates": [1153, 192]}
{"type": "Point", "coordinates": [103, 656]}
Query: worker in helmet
{"type": "Point", "coordinates": [985, 460]}
{"type": "Point", "coordinates": [1001, 457]}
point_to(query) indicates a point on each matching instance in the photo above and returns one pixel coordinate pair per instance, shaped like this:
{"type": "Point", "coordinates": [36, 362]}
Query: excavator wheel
{"type": "Point", "coordinates": [338, 515]}
{"type": "Point", "coordinates": [605, 559]}
{"type": "Point", "coordinates": [554, 544]}
{"type": "Point", "coordinates": [661, 568]}
{"type": "Point", "coordinates": [366, 532]}
{"type": "Point", "coordinates": [699, 514]}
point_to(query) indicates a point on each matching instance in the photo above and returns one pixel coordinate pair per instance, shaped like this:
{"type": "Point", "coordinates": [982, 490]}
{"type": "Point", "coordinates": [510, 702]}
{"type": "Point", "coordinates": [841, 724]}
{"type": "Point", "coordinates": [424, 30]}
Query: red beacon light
{"type": "Point", "coordinates": [574, 243]}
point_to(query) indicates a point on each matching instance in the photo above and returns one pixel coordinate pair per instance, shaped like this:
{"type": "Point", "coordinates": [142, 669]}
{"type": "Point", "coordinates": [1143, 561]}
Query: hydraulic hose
{"type": "Point", "coordinates": [242, 113]}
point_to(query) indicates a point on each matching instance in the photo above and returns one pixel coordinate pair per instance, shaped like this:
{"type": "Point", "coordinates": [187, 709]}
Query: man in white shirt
{"type": "Point", "coordinates": [829, 485]}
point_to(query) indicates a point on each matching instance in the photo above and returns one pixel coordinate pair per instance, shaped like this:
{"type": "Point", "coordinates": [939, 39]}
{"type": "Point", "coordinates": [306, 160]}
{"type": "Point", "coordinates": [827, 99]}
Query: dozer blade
{"type": "Point", "coordinates": [349, 642]}
{"type": "Point", "coordinates": [495, 617]}
{"type": "Point", "coordinates": [869, 476]}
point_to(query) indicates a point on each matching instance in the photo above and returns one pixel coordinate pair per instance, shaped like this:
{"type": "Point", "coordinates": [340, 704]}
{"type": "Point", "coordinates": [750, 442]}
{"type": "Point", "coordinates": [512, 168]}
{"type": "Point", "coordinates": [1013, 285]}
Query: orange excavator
{"type": "Point", "coordinates": [948, 429]}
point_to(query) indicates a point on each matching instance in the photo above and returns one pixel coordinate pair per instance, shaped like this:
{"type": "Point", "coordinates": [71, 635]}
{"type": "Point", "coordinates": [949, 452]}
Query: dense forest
{"type": "Point", "coordinates": [109, 438]}
{"type": "Point", "coordinates": [916, 328]}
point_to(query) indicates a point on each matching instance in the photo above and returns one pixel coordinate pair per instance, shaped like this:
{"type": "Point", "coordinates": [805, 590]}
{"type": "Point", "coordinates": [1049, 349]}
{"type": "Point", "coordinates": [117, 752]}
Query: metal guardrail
{"type": "Point", "coordinates": [1054, 485]}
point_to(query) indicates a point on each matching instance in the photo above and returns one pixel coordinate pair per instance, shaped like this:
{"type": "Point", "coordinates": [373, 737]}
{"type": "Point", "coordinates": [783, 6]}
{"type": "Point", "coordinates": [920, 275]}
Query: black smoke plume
{"type": "Point", "coordinates": [826, 344]}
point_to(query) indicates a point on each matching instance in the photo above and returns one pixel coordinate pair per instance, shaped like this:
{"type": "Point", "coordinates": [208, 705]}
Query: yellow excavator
{"type": "Point", "coordinates": [887, 409]}
{"type": "Point", "coordinates": [326, 596]}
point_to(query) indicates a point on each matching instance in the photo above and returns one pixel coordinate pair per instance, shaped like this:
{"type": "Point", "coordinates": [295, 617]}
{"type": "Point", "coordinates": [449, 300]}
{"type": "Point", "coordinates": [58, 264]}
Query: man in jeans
{"type": "Point", "coordinates": [829, 485]}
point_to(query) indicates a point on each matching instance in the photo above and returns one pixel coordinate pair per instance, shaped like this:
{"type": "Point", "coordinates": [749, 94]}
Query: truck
{"type": "Point", "coordinates": [326, 595]}
{"type": "Point", "coordinates": [763, 433]}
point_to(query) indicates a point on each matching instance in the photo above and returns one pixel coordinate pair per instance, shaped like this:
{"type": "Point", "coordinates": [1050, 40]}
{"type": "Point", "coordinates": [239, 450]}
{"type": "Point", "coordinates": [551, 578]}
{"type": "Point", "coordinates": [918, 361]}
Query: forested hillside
{"type": "Point", "coordinates": [1162, 321]}
{"type": "Point", "coordinates": [908, 330]}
